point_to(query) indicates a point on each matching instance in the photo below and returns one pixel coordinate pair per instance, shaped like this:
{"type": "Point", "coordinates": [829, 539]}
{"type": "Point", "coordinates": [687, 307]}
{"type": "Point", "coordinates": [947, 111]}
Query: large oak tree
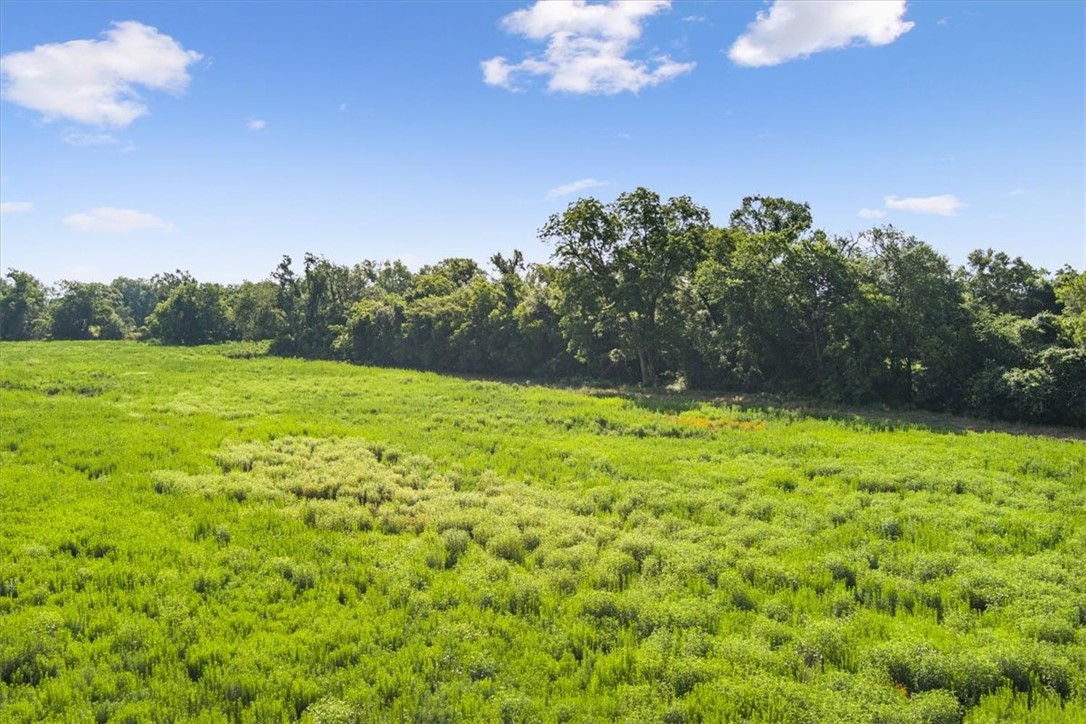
{"type": "Point", "coordinates": [619, 263]}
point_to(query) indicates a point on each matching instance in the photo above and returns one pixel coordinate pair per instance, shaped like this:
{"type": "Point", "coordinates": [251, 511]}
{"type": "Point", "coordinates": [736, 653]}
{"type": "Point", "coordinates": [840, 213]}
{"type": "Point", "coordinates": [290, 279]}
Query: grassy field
{"type": "Point", "coordinates": [201, 534]}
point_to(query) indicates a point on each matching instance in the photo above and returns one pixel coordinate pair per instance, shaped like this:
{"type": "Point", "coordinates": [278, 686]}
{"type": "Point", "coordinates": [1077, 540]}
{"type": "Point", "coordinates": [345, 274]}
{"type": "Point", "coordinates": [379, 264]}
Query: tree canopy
{"type": "Point", "coordinates": [643, 290]}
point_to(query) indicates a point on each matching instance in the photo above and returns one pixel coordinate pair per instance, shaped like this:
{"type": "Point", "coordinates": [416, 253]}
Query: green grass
{"type": "Point", "coordinates": [212, 535]}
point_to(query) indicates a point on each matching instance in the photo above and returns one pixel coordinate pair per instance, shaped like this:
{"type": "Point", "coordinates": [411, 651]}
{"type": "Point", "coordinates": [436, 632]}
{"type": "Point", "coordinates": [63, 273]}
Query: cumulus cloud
{"type": "Point", "coordinates": [106, 220]}
{"type": "Point", "coordinates": [945, 205]}
{"type": "Point", "coordinates": [793, 29]}
{"type": "Point", "coordinates": [574, 186]}
{"type": "Point", "coordinates": [15, 207]}
{"type": "Point", "coordinates": [256, 124]}
{"type": "Point", "coordinates": [95, 81]}
{"type": "Point", "coordinates": [587, 47]}
{"type": "Point", "coordinates": [871, 213]}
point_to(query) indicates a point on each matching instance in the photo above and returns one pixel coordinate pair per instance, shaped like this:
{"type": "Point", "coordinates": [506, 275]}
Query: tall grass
{"type": "Point", "coordinates": [198, 534]}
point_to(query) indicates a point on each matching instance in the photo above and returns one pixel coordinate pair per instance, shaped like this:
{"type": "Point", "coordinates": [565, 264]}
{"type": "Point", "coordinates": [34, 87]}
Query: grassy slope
{"type": "Point", "coordinates": [190, 535]}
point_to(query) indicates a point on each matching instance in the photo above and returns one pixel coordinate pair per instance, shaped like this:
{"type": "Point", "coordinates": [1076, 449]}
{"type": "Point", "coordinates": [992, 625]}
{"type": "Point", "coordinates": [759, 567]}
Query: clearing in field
{"type": "Point", "coordinates": [204, 534]}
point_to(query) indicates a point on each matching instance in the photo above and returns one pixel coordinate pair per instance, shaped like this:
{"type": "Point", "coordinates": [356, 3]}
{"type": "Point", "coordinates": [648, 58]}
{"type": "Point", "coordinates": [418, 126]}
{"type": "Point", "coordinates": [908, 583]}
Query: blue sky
{"type": "Point", "coordinates": [216, 137]}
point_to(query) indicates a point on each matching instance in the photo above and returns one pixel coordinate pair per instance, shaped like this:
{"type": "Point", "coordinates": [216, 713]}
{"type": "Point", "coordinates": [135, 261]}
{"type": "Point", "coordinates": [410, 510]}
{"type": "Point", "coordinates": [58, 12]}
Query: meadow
{"type": "Point", "coordinates": [210, 534]}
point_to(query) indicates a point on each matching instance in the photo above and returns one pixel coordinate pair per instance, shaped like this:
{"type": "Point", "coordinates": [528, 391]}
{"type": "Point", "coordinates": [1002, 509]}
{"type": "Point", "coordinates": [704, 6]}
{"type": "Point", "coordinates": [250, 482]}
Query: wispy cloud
{"type": "Point", "coordinates": [1019, 192]}
{"type": "Point", "coordinates": [95, 81]}
{"type": "Point", "coordinates": [15, 207]}
{"type": "Point", "coordinates": [871, 213]}
{"type": "Point", "coordinates": [574, 186]}
{"type": "Point", "coordinates": [106, 220]}
{"type": "Point", "coordinates": [945, 205]}
{"type": "Point", "coordinates": [74, 137]}
{"type": "Point", "coordinates": [256, 124]}
{"type": "Point", "coordinates": [587, 47]}
{"type": "Point", "coordinates": [792, 29]}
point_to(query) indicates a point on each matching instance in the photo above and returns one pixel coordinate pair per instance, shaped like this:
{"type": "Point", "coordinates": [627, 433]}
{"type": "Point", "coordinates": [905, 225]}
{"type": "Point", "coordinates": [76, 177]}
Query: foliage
{"type": "Point", "coordinates": [1071, 295]}
{"type": "Point", "coordinates": [619, 264]}
{"type": "Point", "coordinates": [647, 291]}
{"type": "Point", "coordinates": [1008, 286]}
{"type": "Point", "coordinates": [22, 306]}
{"type": "Point", "coordinates": [454, 318]}
{"type": "Point", "coordinates": [252, 307]}
{"type": "Point", "coordinates": [86, 310]}
{"type": "Point", "coordinates": [138, 298]}
{"type": "Point", "coordinates": [191, 314]}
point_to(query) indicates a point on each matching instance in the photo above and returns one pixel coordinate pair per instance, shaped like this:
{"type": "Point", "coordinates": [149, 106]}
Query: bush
{"type": "Point", "coordinates": [456, 542]}
{"type": "Point", "coordinates": [332, 711]}
{"type": "Point", "coordinates": [916, 666]}
{"type": "Point", "coordinates": [507, 544]}
{"type": "Point", "coordinates": [935, 707]}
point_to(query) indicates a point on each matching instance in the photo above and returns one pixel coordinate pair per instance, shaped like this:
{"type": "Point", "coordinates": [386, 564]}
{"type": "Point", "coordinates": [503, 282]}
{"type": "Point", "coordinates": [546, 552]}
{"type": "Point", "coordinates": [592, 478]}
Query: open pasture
{"type": "Point", "coordinates": [208, 534]}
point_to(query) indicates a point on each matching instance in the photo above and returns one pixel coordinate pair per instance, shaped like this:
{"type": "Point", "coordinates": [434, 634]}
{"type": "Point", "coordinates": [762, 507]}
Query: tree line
{"type": "Point", "coordinates": [647, 291]}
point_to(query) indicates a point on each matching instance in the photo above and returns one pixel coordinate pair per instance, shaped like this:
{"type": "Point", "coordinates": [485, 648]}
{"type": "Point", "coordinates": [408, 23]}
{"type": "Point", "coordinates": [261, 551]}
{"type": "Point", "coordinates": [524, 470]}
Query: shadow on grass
{"type": "Point", "coordinates": [872, 418]}
{"type": "Point", "coordinates": [772, 406]}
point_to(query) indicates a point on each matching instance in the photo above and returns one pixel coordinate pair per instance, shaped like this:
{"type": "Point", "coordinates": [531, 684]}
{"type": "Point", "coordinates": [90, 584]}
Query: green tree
{"type": "Point", "coordinates": [252, 307]}
{"type": "Point", "coordinates": [1033, 368]}
{"type": "Point", "coordinates": [1070, 288]}
{"type": "Point", "coordinates": [1008, 286]}
{"type": "Point", "coordinates": [769, 215]}
{"type": "Point", "coordinates": [313, 308]}
{"type": "Point", "coordinates": [192, 314]}
{"type": "Point", "coordinates": [910, 330]}
{"type": "Point", "coordinates": [767, 299]}
{"type": "Point", "coordinates": [373, 332]}
{"type": "Point", "coordinates": [619, 264]}
{"type": "Point", "coordinates": [458, 270]}
{"type": "Point", "coordinates": [86, 310]}
{"type": "Point", "coordinates": [139, 297]}
{"type": "Point", "coordinates": [22, 306]}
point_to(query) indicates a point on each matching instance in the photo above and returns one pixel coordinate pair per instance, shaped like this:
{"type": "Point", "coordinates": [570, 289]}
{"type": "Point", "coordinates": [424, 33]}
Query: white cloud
{"type": "Point", "coordinates": [574, 186]}
{"type": "Point", "coordinates": [78, 138]}
{"type": "Point", "coordinates": [871, 213]}
{"type": "Point", "coordinates": [15, 207]}
{"type": "Point", "coordinates": [256, 124]}
{"type": "Point", "coordinates": [1019, 192]}
{"type": "Point", "coordinates": [105, 220]}
{"type": "Point", "coordinates": [95, 81]}
{"type": "Point", "coordinates": [586, 48]}
{"type": "Point", "coordinates": [945, 205]}
{"type": "Point", "coordinates": [793, 29]}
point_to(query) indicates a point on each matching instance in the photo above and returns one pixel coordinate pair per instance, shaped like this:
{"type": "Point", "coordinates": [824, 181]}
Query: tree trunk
{"type": "Point", "coordinates": [648, 370]}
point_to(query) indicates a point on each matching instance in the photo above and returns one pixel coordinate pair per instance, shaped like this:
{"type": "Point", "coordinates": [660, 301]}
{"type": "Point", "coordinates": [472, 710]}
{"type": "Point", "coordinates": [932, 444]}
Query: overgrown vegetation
{"type": "Point", "coordinates": [210, 533]}
{"type": "Point", "coordinates": [647, 291]}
